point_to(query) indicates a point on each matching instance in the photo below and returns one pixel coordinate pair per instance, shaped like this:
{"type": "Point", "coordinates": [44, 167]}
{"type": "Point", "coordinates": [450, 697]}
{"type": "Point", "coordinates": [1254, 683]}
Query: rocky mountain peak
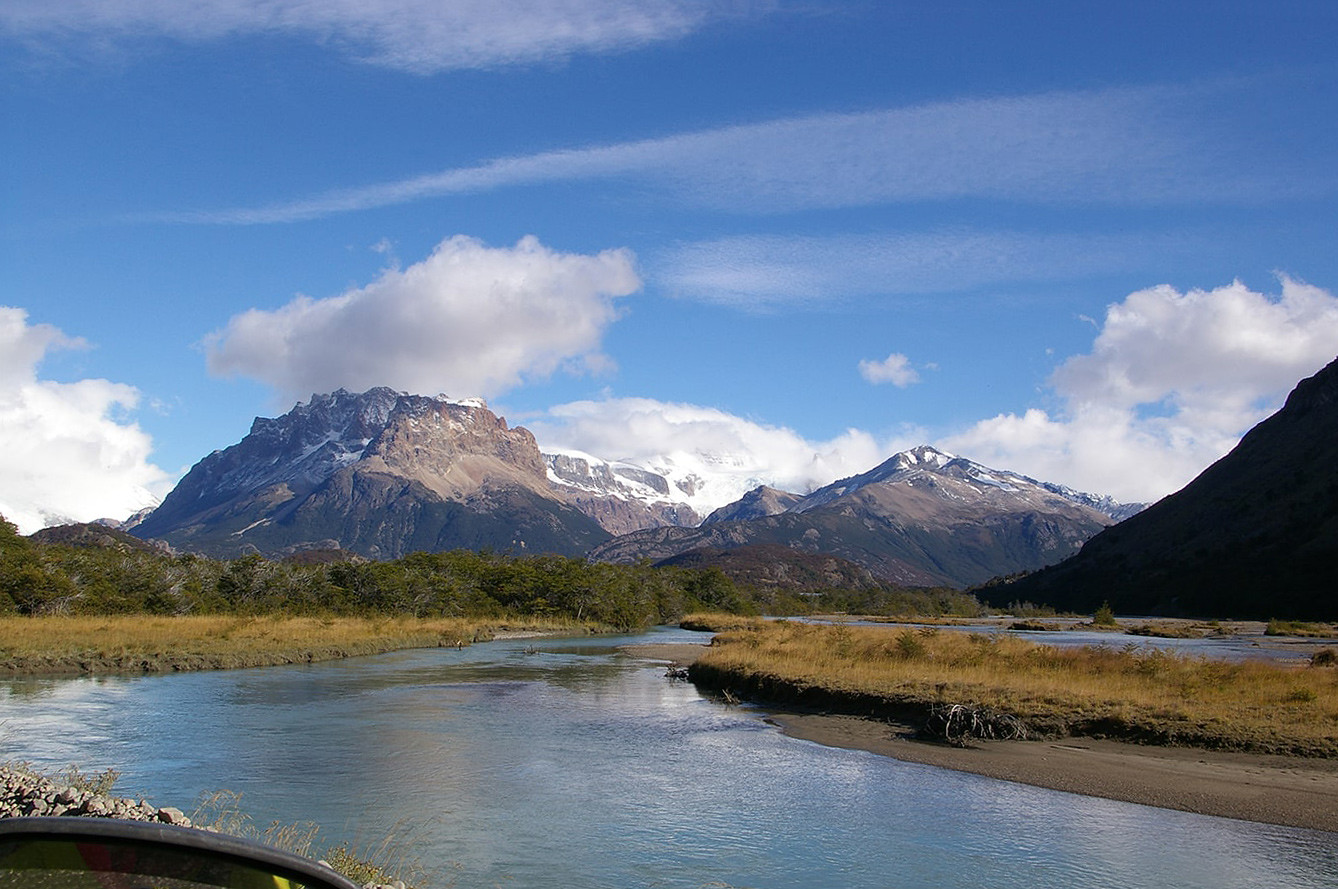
{"type": "Point", "coordinates": [757, 503]}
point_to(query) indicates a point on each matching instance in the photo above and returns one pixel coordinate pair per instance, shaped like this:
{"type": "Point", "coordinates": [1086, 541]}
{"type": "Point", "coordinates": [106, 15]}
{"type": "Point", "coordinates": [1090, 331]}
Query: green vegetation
{"type": "Point", "coordinates": [1134, 694]}
{"type": "Point", "coordinates": [1104, 617]}
{"type": "Point", "coordinates": [46, 579]}
{"type": "Point", "coordinates": [82, 570]}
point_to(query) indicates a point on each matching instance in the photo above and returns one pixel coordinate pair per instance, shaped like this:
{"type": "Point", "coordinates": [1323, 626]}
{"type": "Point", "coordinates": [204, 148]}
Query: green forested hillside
{"type": "Point", "coordinates": [88, 569]}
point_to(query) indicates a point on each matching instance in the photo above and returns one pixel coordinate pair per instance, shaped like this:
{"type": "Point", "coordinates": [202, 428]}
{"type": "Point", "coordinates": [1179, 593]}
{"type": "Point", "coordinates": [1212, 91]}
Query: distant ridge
{"type": "Point", "coordinates": [1254, 536]}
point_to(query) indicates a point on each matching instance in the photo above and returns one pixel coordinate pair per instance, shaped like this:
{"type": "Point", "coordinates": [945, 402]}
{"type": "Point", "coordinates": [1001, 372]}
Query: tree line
{"type": "Point", "coordinates": [122, 575]}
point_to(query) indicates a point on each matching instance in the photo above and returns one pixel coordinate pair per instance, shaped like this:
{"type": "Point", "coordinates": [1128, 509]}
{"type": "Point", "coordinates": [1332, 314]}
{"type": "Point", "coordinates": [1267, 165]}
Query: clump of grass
{"type": "Point", "coordinates": [1135, 693]}
{"type": "Point", "coordinates": [1167, 631]}
{"type": "Point", "coordinates": [385, 861]}
{"type": "Point", "coordinates": [717, 622]}
{"type": "Point", "coordinates": [1301, 628]}
{"type": "Point", "coordinates": [1104, 617]}
{"type": "Point", "coordinates": [1325, 657]}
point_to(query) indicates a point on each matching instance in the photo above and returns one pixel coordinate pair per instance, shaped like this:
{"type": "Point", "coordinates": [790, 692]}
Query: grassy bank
{"type": "Point", "coordinates": [153, 644]}
{"type": "Point", "coordinates": [1147, 696]}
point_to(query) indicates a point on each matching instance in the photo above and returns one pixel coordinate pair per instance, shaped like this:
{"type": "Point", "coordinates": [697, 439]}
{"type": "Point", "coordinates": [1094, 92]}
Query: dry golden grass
{"type": "Point", "coordinates": [1142, 694]}
{"type": "Point", "coordinates": [150, 643]}
{"type": "Point", "coordinates": [718, 621]}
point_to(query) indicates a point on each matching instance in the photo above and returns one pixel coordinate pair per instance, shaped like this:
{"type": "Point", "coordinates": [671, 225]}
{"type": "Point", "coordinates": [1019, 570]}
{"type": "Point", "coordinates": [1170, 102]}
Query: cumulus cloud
{"type": "Point", "coordinates": [1118, 146]}
{"type": "Point", "coordinates": [1172, 382]}
{"type": "Point", "coordinates": [418, 36]}
{"type": "Point", "coordinates": [728, 454]}
{"type": "Point", "coordinates": [69, 453]}
{"type": "Point", "coordinates": [895, 369]}
{"type": "Point", "coordinates": [468, 320]}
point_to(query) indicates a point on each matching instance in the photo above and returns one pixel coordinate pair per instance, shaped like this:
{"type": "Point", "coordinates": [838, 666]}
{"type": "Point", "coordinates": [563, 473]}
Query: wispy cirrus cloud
{"type": "Point", "coordinates": [418, 36]}
{"type": "Point", "coordinates": [766, 272]}
{"type": "Point", "coordinates": [1145, 146]}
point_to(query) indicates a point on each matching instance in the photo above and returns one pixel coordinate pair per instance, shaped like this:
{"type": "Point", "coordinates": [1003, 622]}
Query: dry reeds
{"type": "Point", "coordinates": [1137, 693]}
{"type": "Point", "coordinates": [147, 643]}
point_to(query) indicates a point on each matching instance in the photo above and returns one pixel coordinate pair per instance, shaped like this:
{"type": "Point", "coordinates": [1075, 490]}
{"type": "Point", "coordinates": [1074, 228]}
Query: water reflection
{"type": "Point", "coordinates": [558, 762]}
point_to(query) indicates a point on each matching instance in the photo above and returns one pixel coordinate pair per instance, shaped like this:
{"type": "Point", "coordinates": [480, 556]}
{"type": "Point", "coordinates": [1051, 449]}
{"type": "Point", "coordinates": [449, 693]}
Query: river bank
{"type": "Point", "coordinates": [1289, 790]}
{"type": "Point", "coordinates": [137, 644]}
{"type": "Point", "coordinates": [1294, 791]}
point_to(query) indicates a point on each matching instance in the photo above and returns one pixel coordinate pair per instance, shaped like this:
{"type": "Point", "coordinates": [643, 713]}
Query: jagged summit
{"type": "Point", "coordinates": [923, 517]}
{"type": "Point", "coordinates": [382, 473]}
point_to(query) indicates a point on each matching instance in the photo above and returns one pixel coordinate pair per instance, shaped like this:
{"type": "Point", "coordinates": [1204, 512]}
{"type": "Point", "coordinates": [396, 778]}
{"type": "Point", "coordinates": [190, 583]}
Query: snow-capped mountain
{"type": "Point", "coordinates": [922, 517]}
{"type": "Point", "coordinates": [381, 473]}
{"type": "Point", "coordinates": [384, 473]}
{"type": "Point", "coordinates": [621, 496]}
{"type": "Point", "coordinates": [930, 466]}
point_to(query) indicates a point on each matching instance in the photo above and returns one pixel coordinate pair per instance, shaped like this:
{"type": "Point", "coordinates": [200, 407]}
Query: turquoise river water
{"type": "Point", "coordinates": [561, 762]}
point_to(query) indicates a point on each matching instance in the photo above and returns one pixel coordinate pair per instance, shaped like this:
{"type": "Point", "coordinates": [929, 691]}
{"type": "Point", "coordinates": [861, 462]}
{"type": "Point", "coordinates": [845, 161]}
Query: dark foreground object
{"type": "Point", "coordinates": [76, 852]}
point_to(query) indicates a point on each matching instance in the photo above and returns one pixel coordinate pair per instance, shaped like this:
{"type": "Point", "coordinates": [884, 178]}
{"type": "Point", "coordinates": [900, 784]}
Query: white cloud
{"type": "Point", "coordinates": [69, 455]}
{"type": "Point", "coordinates": [895, 369]}
{"type": "Point", "coordinates": [1130, 146]}
{"type": "Point", "coordinates": [468, 320]}
{"type": "Point", "coordinates": [1171, 384]}
{"type": "Point", "coordinates": [420, 36]}
{"type": "Point", "coordinates": [730, 455]}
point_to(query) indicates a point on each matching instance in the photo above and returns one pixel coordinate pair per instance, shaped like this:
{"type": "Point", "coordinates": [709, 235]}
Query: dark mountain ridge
{"type": "Point", "coordinates": [1253, 536]}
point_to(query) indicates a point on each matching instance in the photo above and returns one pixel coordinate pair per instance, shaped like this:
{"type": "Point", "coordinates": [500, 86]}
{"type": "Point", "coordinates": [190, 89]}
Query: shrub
{"type": "Point", "coordinates": [1104, 617]}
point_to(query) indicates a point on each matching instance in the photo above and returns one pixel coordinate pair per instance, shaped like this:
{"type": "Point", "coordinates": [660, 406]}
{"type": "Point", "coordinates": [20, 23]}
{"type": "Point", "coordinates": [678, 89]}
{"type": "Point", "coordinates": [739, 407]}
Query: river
{"type": "Point", "coordinates": [560, 762]}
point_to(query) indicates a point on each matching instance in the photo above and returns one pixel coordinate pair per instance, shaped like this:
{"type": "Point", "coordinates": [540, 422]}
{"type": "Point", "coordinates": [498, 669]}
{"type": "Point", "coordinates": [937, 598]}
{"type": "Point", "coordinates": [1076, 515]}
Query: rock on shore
{"type": "Point", "coordinates": [26, 793]}
{"type": "Point", "coordinates": [23, 793]}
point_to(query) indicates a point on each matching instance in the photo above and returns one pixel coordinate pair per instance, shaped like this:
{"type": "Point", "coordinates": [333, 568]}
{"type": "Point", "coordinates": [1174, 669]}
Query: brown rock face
{"type": "Point", "coordinates": [382, 474]}
{"type": "Point", "coordinates": [454, 449]}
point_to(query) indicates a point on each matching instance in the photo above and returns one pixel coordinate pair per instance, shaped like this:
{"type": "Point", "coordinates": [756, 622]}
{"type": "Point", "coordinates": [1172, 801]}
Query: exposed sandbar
{"type": "Point", "coordinates": [1292, 791]}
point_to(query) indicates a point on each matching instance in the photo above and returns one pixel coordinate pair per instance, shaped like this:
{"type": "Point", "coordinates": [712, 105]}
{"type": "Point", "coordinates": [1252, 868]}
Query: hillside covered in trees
{"type": "Point", "coordinates": [90, 569]}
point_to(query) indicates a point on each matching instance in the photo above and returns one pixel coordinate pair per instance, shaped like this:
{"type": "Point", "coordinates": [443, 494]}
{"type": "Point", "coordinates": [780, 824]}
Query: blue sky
{"type": "Point", "coordinates": [1089, 242]}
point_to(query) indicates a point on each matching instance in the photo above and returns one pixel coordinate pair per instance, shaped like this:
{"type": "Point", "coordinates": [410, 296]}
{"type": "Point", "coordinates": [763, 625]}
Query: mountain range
{"type": "Point", "coordinates": [921, 518]}
{"type": "Point", "coordinates": [384, 473]}
{"type": "Point", "coordinates": [1255, 535]}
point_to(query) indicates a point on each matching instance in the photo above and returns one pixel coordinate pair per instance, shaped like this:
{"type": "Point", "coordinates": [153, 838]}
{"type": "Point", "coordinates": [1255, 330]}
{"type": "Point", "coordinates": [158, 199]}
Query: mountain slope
{"type": "Point", "coordinates": [382, 474]}
{"type": "Point", "coordinates": [622, 497]}
{"type": "Point", "coordinates": [1255, 535]}
{"type": "Point", "coordinates": [921, 518]}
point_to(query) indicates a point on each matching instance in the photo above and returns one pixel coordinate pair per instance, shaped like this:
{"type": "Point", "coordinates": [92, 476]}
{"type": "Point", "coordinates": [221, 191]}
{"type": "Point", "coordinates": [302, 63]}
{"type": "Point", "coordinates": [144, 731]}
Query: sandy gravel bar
{"type": "Point", "coordinates": [1292, 791]}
